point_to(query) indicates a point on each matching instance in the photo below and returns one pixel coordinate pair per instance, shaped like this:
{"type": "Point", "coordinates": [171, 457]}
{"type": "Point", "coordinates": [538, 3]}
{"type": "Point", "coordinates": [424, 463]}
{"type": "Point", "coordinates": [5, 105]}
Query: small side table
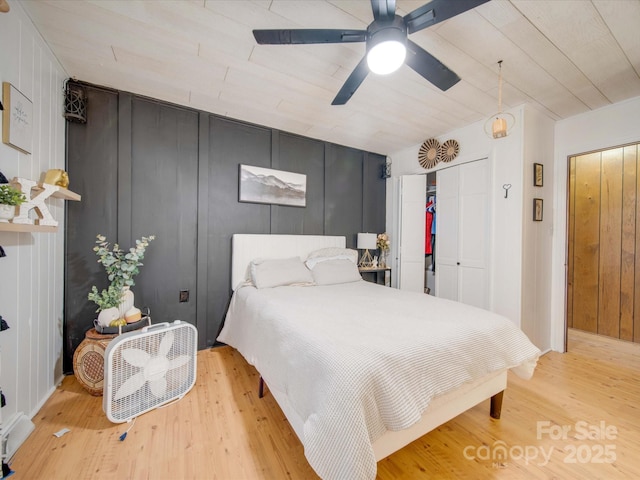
{"type": "Point", "coordinates": [378, 274]}
{"type": "Point", "coordinates": [88, 361]}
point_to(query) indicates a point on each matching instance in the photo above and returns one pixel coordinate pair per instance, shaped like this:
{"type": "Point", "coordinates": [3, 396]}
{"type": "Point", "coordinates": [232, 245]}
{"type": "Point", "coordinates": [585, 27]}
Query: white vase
{"type": "Point", "coordinates": [7, 212]}
{"type": "Point", "coordinates": [126, 303]}
{"type": "Point", "coordinates": [108, 315]}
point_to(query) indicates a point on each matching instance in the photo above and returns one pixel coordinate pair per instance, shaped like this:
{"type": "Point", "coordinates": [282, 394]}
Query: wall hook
{"type": "Point", "coordinates": [506, 187]}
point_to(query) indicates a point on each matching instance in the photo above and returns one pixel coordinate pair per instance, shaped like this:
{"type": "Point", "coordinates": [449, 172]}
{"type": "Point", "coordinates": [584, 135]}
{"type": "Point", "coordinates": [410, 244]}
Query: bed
{"type": "Point", "coordinates": [359, 369]}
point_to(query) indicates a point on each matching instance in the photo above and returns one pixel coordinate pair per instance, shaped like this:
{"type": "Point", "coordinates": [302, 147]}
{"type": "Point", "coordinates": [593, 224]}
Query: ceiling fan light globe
{"type": "Point", "coordinates": [386, 57]}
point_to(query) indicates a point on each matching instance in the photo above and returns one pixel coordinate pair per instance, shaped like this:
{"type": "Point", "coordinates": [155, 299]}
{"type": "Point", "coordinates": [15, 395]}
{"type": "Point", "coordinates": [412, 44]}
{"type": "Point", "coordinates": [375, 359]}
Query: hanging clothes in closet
{"type": "Point", "coordinates": [428, 224]}
{"type": "Point", "coordinates": [430, 230]}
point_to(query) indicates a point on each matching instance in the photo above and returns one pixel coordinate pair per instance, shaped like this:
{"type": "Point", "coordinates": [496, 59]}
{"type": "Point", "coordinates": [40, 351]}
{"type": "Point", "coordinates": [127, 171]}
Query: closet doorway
{"type": "Point", "coordinates": [462, 221]}
{"type": "Point", "coordinates": [603, 277]}
{"type": "Point", "coordinates": [430, 235]}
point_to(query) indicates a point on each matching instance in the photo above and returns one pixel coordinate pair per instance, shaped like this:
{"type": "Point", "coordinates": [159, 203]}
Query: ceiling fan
{"type": "Point", "coordinates": [387, 44]}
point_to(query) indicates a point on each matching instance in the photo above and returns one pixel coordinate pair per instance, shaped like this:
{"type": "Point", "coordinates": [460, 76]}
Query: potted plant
{"type": "Point", "coordinates": [10, 198]}
{"type": "Point", "coordinates": [107, 301]}
{"type": "Point", "coordinates": [115, 301]}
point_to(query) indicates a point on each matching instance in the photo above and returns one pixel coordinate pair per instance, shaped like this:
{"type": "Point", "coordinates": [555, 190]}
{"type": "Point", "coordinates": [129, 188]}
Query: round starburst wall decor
{"type": "Point", "coordinates": [429, 154]}
{"type": "Point", "coordinates": [450, 150]}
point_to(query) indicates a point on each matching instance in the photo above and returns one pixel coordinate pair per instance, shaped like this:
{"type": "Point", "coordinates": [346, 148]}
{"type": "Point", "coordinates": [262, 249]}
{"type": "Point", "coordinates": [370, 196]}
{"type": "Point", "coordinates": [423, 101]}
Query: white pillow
{"type": "Point", "coordinates": [331, 253]}
{"type": "Point", "coordinates": [267, 273]}
{"type": "Point", "coordinates": [330, 272]}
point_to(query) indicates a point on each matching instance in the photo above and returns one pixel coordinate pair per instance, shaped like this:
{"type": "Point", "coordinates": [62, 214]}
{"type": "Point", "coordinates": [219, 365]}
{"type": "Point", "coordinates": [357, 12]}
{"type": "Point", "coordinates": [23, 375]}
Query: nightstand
{"type": "Point", "coordinates": [376, 275]}
{"type": "Point", "coordinates": [88, 361]}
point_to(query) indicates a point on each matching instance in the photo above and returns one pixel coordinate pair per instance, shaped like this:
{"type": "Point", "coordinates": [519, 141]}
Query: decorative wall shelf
{"type": "Point", "coordinates": [36, 195]}
{"type": "Point", "coordinates": [61, 193]}
{"type": "Point", "coordinates": [17, 227]}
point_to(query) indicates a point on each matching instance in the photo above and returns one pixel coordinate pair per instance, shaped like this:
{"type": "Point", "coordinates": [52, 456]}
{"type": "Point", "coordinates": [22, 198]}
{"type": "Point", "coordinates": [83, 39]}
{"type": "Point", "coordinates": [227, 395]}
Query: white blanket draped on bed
{"type": "Point", "coordinates": [358, 359]}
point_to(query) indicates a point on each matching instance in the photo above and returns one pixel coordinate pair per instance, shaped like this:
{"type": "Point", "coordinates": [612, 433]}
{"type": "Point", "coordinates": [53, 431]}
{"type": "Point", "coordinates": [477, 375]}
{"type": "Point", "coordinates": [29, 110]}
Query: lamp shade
{"type": "Point", "coordinates": [367, 241]}
{"type": "Point", "coordinates": [499, 127]}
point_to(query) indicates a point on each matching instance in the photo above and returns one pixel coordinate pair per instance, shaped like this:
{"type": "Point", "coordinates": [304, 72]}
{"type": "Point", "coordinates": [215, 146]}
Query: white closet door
{"type": "Point", "coordinates": [412, 234]}
{"type": "Point", "coordinates": [446, 285]}
{"type": "Point", "coordinates": [472, 238]}
{"type": "Point", "coordinates": [462, 233]}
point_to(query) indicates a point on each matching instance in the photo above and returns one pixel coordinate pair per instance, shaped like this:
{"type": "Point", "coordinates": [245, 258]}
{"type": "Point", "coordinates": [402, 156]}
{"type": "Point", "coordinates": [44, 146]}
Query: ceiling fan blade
{"type": "Point", "coordinates": [430, 67]}
{"type": "Point", "coordinates": [383, 9]}
{"type": "Point", "coordinates": [353, 82]}
{"type": "Point", "coordinates": [437, 11]}
{"type": "Point", "coordinates": [299, 36]}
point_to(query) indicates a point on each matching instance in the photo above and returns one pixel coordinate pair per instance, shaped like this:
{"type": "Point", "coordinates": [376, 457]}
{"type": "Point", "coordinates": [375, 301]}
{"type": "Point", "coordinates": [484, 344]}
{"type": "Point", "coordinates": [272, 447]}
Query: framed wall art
{"type": "Point", "coordinates": [17, 118]}
{"type": "Point", "coordinates": [538, 170]}
{"type": "Point", "coordinates": [537, 209]}
{"type": "Point", "coordinates": [266, 185]}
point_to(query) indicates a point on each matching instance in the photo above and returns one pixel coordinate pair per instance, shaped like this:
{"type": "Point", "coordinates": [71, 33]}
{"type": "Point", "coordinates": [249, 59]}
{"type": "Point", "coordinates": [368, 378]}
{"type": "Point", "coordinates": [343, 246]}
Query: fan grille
{"type": "Point", "coordinates": [118, 370]}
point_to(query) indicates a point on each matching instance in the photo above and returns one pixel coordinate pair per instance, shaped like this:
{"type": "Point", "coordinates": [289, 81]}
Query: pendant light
{"type": "Point", "coordinates": [501, 123]}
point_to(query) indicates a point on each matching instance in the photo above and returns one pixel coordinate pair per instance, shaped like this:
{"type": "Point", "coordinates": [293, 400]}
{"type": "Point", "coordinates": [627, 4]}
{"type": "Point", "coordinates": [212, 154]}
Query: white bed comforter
{"type": "Point", "coordinates": [358, 359]}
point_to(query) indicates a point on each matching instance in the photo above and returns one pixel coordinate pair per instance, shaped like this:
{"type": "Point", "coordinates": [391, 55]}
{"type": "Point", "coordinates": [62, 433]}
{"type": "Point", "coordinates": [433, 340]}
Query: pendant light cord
{"type": "Point", "coordinates": [499, 86]}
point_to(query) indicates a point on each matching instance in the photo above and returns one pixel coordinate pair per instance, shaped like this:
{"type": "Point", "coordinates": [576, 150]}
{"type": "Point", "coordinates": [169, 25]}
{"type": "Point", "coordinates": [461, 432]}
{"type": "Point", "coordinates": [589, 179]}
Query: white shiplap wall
{"type": "Point", "coordinates": [31, 275]}
{"type": "Point", "coordinates": [516, 280]}
{"type": "Point", "coordinates": [604, 128]}
{"type": "Point", "coordinates": [545, 285]}
{"type": "Point", "coordinates": [537, 236]}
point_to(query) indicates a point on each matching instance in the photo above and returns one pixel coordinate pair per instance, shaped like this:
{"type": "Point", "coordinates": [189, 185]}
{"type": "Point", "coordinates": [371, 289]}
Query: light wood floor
{"type": "Point", "coordinates": [221, 430]}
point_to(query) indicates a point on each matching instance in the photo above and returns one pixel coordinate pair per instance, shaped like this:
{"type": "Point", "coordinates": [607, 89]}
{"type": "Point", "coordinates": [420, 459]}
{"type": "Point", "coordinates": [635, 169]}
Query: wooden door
{"type": "Point", "coordinates": [603, 281]}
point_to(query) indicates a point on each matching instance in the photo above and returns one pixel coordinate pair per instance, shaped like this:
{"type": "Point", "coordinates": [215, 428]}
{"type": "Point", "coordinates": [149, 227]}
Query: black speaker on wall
{"type": "Point", "coordinates": [75, 103]}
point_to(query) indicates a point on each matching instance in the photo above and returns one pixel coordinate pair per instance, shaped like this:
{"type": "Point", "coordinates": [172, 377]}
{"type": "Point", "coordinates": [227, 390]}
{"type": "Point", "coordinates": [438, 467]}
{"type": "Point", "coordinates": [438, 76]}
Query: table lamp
{"type": "Point", "coordinates": [366, 241]}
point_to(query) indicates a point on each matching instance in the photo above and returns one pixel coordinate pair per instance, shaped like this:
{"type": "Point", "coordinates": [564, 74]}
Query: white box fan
{"type": "Point", "coordinates": [148, 368]}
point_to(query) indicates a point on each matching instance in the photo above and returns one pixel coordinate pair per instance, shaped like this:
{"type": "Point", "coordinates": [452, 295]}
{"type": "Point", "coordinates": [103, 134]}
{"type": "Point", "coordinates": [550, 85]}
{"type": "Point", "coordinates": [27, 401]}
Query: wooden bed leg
{"type": "Point", "coordinates": [496, 405]}
{"type": "Point", "coordinates": [261, 392]}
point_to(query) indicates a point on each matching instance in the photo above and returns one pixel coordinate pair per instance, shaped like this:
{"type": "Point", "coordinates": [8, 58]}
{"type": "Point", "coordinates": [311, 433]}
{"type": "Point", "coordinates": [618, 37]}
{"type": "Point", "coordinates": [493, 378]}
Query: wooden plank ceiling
{"type": "Point", "coordinates": [564, 57]}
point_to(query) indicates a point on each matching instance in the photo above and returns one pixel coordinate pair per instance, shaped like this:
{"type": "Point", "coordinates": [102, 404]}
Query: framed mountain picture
{"type": "Point", "coordinates": [266, 185]}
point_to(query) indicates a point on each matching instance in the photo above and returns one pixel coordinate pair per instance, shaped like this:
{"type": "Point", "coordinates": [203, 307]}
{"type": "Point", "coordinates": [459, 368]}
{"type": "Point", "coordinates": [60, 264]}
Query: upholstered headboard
{"type": "Point", "coordinates": [247, 247]}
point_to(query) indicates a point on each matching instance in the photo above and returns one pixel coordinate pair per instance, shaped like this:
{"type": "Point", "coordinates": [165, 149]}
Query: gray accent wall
{"type": "Point", "coordinates": [145, 167]}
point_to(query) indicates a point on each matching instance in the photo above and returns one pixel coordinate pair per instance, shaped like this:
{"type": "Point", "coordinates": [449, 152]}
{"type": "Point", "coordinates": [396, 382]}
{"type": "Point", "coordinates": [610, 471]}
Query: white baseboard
{"type": "Point", "coordinates": [16, 430]}
{"type": "Point", "coordinates": [45, 398]}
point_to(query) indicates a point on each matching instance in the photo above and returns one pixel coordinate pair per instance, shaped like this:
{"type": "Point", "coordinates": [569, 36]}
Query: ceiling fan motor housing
{"type": "Point", "coordinates": [384, 31]}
